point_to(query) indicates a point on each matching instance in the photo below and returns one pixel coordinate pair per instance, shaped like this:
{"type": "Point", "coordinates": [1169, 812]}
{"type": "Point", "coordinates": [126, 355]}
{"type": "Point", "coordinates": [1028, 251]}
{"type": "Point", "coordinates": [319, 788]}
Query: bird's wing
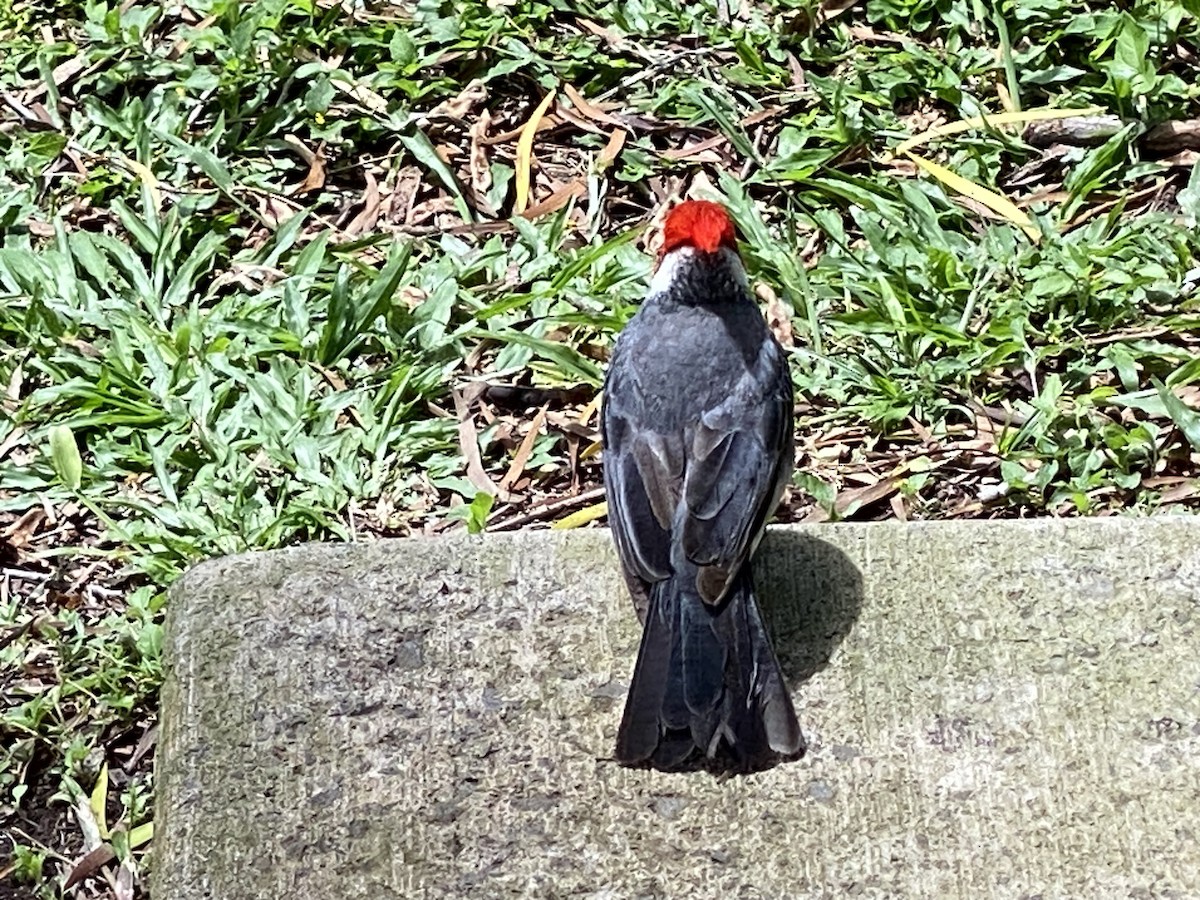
{"type": "Point", "coordinates": [739, 462]}
{"type": "Point", "coordinates": [712, 490]}
{"type": "Point", "coordinates": [643, 479]}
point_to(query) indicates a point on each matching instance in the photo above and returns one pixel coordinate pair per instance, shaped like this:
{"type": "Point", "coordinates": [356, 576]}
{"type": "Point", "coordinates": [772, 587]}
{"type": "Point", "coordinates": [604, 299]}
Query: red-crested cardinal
{"type": "Point", "coordinates": [697, 428]}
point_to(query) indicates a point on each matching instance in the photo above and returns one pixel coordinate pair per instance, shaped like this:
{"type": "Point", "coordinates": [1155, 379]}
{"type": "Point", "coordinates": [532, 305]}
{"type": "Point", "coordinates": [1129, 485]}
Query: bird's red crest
{"type": "Point", "coordinates": [701, 224]}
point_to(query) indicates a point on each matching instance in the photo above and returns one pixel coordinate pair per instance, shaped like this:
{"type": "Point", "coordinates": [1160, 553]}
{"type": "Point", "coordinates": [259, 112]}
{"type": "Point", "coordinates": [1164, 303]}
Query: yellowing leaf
{"type": "Point", "coordinates": [588, 411]}
{"type": "Point", "coordinates": [582, 516]}
{"type": "Point", "coordinates": [525, 152]}
{"type": "Point", "coordinates": [141, 835]}
{"type": "Point", "coordinates": [147, 178]}
{"type": "Point", "coordinates": [1040, 114]}
{"type": "Point", "coordinates": [99, 801]}
{"type": "Point", "coordinates": [997, 203]}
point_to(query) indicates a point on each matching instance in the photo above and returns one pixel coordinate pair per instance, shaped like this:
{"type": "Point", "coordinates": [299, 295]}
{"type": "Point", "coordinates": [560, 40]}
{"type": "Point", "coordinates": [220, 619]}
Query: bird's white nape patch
{"type": "Point", "coordinates": [668, 268]}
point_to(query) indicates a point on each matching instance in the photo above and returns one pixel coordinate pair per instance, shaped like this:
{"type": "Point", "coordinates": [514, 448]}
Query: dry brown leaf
{"type": "Point", "coordinates": [274, 211]}
{"type": "Point", "coordinates": [524, 451]}
{"type": "Point", "coordinates": [427, 209]}
{"type": "Point", "coordinates": [587, 108]}
{"type": "Point", "coordinates": [569, 425]}
{"type": "Point", "coordinates": [571, 117]}
{"type": "Point", "coordinates": [701, 151]}
{"type": "Point", "coordinates": [1127, 200]}
{"type": "Point", "coordinates": [985, 430]}
{"type": "Point", "coordinates": [60, 75]}
{"type": "Point", "coordinates": [459, 107]}
{"type": "Point", "coordinates": [89, 864]}
{"type": "Point", "coordinates": [863, 496]}
{"type": "Point", "coordinates": [799, 80]}
{"type": "Point", "coordinates": [585, 415]}
{"type": "Point", "coordinates": [468, 442]}
{"type": "Point", "coordinates": [1045, 195]}
{"type": "Point", "coordinates": [399, 204]}
{"type": "Point", "coordinates": [762, 115]}
{"type": "Point", "coordinates": [180, 46]}
{"type": "Point", "coordinates": [548, 123]}
{"type": "Point", "coordinates": [477, 159]}
{"type": "Point", "coordinates": [144, 745]}
{"type": "Point", "coordinates": [315, 179]}
{"type": "Point", "coordinates": [123, 886]}
{"type": "Point", "coordinates": [613, 38]}
{"type": "Point", "coordinates": [831, 9]}
{"type": "Point", "coordinates": [368, 216]}
{"type": "Point", "coordinates": [871, 36]}
{"type": "Point", "coordinates": [901, 168]}
{"type": "Point", "coordinates": [779, 318]}
{"type": "Point", "coordinates": [12, 391]}
{"type": "Point", "coordinates": [923, 434]}
{"type": "Point", "coordinates": [611, 150]}
{"type": "Point", "coordinates": [411, 296]}
{"type": "Point", "coordinates": [1188, 489]}
{"type": "Point", "coordinates": [555, 201]}
{"type": "Point", "coordinates": [18, 534]}
{"type": "Point", "coordinates": [65, 71]}
{"type": "Point", "coordinates": [1184, 159]}
{"type": "Point", "coordinates": [548, 510]}
{"type": "Point", "coordinates": [300, 147]}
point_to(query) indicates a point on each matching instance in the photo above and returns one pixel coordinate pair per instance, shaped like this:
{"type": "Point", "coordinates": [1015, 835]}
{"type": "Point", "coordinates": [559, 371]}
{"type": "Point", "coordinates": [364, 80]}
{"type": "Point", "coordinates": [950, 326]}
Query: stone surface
{"type": "Point", "coordinates": [994, 709]}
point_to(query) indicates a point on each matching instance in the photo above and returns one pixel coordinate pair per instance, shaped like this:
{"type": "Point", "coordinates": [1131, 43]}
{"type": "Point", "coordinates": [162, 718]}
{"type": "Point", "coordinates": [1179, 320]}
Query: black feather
{"type": "Point", "coordinates": [706, 691]}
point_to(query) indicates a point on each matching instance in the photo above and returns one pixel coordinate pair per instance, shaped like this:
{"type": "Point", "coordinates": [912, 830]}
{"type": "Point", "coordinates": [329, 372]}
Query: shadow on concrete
{"type": "Point", "coordinates": [811, 596]}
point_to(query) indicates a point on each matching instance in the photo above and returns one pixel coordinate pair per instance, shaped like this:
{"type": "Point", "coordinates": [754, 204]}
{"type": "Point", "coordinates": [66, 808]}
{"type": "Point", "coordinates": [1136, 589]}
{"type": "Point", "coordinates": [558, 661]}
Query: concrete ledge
{"type": "Point", "coordinates": [994, 709]}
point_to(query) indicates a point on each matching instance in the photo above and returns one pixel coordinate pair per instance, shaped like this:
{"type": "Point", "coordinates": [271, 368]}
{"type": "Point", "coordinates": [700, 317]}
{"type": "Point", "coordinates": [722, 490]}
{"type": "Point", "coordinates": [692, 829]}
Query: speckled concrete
{"type": "Point", "coordinates": [993, 709]}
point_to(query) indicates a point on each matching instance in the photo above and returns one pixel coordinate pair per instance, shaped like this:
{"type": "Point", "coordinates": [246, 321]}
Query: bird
{"type": "Point", "coordinates": [696, 426]}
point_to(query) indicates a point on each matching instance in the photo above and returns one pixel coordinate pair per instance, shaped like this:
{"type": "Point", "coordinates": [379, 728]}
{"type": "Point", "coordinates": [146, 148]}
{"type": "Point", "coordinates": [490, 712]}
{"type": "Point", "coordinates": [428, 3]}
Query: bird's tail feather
{"type": "Point", "coordinates": [707, 691]}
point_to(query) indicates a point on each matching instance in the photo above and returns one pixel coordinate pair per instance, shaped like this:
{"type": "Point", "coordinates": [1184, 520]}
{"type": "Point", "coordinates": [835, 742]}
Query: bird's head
{"type": "Point", "coordinates": [701, 224]}
{"type": "Point", "coordinates": [697, 230]}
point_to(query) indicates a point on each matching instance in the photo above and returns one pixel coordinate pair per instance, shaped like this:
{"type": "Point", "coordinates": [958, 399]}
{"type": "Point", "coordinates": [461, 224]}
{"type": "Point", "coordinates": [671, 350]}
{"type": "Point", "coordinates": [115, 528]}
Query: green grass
{"type": "Point", "coordinates": [210, 343]}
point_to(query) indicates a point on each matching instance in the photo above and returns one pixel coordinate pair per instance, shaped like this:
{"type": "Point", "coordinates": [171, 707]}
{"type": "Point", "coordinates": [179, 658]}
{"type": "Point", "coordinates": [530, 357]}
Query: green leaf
{"type": "Point", "coordinates": [64, 456]}
{"type": "Point", "coordinates": [573, 364]}
{"type": "Point", "coordinates": [319, 96]}
{"type": "Point", "coordinates": [402, 48]}
{"type": "Point", "coordinates": [1186, 419]}
{"type": "Point", "coordinates": [476, 512]}
{"type": "Point", "coordinates": [44, 147]}
{"type": "Point", "coordinates": [216, 170]}
{"type": "Point", "coordinates": [352, 317]}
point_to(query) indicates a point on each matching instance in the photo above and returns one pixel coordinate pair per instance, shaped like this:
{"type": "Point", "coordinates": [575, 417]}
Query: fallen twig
{"type": "Point", "coordinates": [547, 511]}
{"type": "Point", "coordinates": [1088, 131]}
